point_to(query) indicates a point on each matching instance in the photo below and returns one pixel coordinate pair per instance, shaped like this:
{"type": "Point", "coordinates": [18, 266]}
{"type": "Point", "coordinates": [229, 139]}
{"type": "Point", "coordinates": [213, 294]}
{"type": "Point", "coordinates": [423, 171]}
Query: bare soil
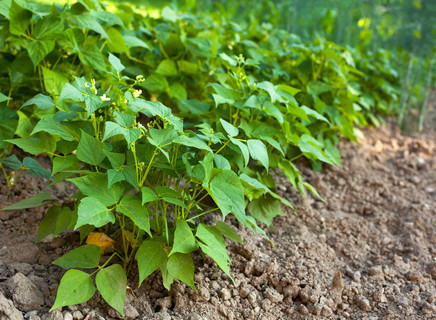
{"type": "Point", "coordinates": [367, 252]}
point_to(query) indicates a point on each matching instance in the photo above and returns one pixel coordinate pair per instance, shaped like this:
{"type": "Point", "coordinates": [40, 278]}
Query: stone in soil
{"type": "Point", "coordinates": [25, 294]}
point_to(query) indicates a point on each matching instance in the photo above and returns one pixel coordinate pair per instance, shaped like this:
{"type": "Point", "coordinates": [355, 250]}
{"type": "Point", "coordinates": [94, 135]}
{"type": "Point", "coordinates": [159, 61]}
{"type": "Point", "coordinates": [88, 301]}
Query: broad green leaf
{"type": "Point", "coordinates": [167, 279]}
{"type": "Point", "coordinates": [116, 44]}
{"type": "Point", "coordinates": [53, 127]}
{"type": "Point", "coordinates": [61, 163]}
{"type": "Point", "coordinates": [3, 98]}
{"type": "Point", "coordinates": [95, 185]}
{"type": "Point", "coordinates": [53, 81]}
{"type": "Point", "coordinates": [48, 27]}
{"type": "Point", "coordinates": [86, 20]}
{"type": "Point", "coordinates": [180, 266]}
{"type": "Point", "coordinates": [244, 149]}
{"type": "Point", "coordinates": [12, 162]}
{"type": "Point", "coordinates": [19, 19]}
{"type": "Point", "coordinates": [92, 103]}
{"type": "Point", "coordinates": [31, 145]}
{"type": "Point", "coordinates": [313, 113]}
{"type": "Point", "coordinates": [184, 241]}
{"type": "Point", "coordinates": [39, 49]}
{"type": "Point", "coordinates": [228, 231]}
{"type": "Point", "coordinates": [131, 206]}
{"type": "Point", "coordinates": [269, 87]}
{"type": "Point", "coordinates": [132, 41]}
{"type": "Point", "coordinates": [41, 101]}
{"type": "Point", "coordinates": [39, 200]}
{"type": "Point", "coordinates": [123, 119]}
{"type": "Point", "coordinates": [167, 68]}
{"type": "Point", "coordinates": [265, 209]}
{"type": "Point", "coordinates": [76, 287]}
{"type": "Point", "coordinates": [91, 211]}
{"type": "Point", "coordinates": [114, 176]}
{"type": "Point", "coordinates": [148, 195]}
{"type": "Point", "coordinates": [229, 128]}
{"type": "Point", "coordinates": [116, 159]}
{"type": "Point", "coordinates": [71, 93]}
{"type": "Point", "coordinates": [212, 244]}
{"type": "Point", "coordinates": [90, 149]}
{"type": "Point", "coordinates": [150, 256]}
{"type": "Point", "coordinates": [258, 152]}
{"type": "Point", "coordinates": [35, 168]}
{"type": "Point", "coordinates": [310, 145]}
{"type": "Point", "coordinates": [166, 192]}
{"type": "Point", "coordinates": [227, 191]}
{"type": "Point", "coordinates": [113, 129]}
{"type": "Point", "coordinates": [56, 220]}
{"type": "Point", "coordinates": [112, 283]}
{"type": "Point", "coordinates": [318, 87]}
{"type": "Point", "coordinates": [84, 257]}
{"type": "Point", "coordinates": [116, 62]}
{"type": "Point", "coordinates": [221, 162]}
{"type": "Point", "coordinates": [192, 142]}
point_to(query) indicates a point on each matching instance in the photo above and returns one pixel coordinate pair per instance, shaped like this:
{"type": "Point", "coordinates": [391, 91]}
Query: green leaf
{"type": "Point", "coordinates": [61, 163]}
{"type": "Point", "coordinates": [39, 49]}
{"type": "Point", "coordinates": [84, 257]}
{"type": "Point", "coordinates": [86, 20]}
{"type": "Point", "coordinates": [90, 149]}
{"type": "Point", "coordinates": [150, 256]}
{"type": "Point", "coordinates": [192, 142]}
{"type": "Point", "coordinates": [227, 191]}
{"type": "Point", "coordinates": [229, 128]}
{"type": "Point", "coordinates": [76, 287]}
{"type": "Point", "coordinates": [243, 148]}
{"type": "Point", "coordinates": [91, 211]}
{"type": "Point", "coordinates": [113, 129]}
{"type": "Point", "coordinates": [258, 152]}
{"type": "Point", "coordinates": [310, 145]}
{"type": "Point", "coordinates": [212, 244]}
{"type": "Point", "coordinates": [265, 209]}
{"type": "Point", "coordinates": [53, 127]}
{"type": "Point", "coordinates": [131, 206]}
{"type": "Point", "coordinates": [148, 195]}
{"type": "Point", "coordinates": [39, 200]}
{"type": "Point", "coordinates": [31, 145]}
{"type": "Point", "coordinates": [71, 93]}
{"type": "Point", "coordinates": [114, 176]}
{"type": "Point", "coordinates": [227, 231]}
{"type": "Point", "coordinates": [41, 101]}
{"type": "Point", "coordinates": [56, 220]}
{"type": "Point", "coordinates": [313, 113]}
{"type": "Point", "coordinates": [184, 240]}
{"type": "Point", "coordinates": [53, 81]}
{"type": "Point", "coordinates": [166, 192]}
{"type": "Point", "coordinates": [318, 87]}
{"type": "Point", "coordinates": [167, 68]}
{"type": "Point", "coordinates": [180, 266]}
{"type": "Point", "coordinates": [116, 44]}
{"type": "Point", "coordinates": [3, 98]}
{"type": "Point", "coordinates": [112, 283]}
{"type": "Point", "coordinates": [116, 63]}
{"type": "Point", "coordinates": [35, 168]}
{"type": "Point", "coordinates": [92, 103]}
{"type": "Point", "coordinates": [19, 19]}
{"type": "Point", "coordinates": [116, 159]}
{"type": "Point", "coordinates": [12, 162]}
{"type": "Point", "coordinates": [269, 87]}
{"type": "Point", "coordinates": [132, 41]}
{"type": "Point", "coordinates": [95, 185]}
{"type": "Point", "coordinates": [124, 120]}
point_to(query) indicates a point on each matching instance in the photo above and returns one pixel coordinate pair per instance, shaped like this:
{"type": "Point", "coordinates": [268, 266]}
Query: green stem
{"type": "Point", "coordinates": [148, 167]}
{"type": "Point", "coordinates": [225, 144]}
{"type": "Point", "coordinates": [201, 214]}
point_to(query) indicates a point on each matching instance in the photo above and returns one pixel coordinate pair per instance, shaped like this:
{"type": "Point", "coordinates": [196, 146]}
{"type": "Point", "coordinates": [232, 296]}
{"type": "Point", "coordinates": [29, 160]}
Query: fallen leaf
{"type": "Point", "coordinates": [103, 241]}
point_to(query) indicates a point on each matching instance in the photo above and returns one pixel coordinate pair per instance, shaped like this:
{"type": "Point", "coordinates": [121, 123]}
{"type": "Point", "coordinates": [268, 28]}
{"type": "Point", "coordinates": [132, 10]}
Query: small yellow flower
{"type": "Point", "coordinates": [86, 85]}
{"type": "Point", "coordinates": [137, 93]}
{"type": "Point", "coordinates": [104, 98]}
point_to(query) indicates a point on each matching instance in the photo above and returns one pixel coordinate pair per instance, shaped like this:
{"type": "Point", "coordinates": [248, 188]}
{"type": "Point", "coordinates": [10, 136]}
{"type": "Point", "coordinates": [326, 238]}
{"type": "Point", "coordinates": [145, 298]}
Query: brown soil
{"type": "Point", "coordinates": [367, 252]}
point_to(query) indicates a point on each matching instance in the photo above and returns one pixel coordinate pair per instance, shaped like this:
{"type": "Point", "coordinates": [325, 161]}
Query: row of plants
{"type": "Point", "coordinates": [161, 120]}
